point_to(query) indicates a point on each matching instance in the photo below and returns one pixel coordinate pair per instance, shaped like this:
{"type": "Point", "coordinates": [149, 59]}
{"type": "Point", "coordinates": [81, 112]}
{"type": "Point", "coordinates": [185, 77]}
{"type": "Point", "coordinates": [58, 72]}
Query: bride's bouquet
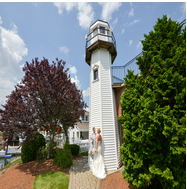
{"type": "Point", "coordinates": [93, 150]}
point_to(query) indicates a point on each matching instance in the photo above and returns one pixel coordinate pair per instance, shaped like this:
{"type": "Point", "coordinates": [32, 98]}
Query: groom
{"type": "Point", "coordinates": [93, 140]}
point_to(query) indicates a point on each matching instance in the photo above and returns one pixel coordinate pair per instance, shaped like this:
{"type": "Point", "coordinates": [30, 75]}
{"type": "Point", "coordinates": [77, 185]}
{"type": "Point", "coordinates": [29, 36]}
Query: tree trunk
{"type": "Point", "coordinates": [66, 133]}
{"type": "Point", "coordinates": [52, 134]}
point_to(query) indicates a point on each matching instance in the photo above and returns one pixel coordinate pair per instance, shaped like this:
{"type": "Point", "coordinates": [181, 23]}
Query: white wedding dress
{"type": "Point", "coordinates": [98, 168]}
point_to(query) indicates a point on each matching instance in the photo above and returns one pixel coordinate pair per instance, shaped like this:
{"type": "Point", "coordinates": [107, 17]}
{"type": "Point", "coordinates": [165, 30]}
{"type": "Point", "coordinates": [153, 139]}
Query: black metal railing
{"type": "Point", "coordinates": [120, 72]}
{"type": "Point", "coordinates": [100, 33]}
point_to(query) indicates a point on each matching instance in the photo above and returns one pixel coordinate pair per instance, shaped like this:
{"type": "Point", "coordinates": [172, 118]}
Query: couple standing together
{"type": "Point", "coordinates": [98, 168]}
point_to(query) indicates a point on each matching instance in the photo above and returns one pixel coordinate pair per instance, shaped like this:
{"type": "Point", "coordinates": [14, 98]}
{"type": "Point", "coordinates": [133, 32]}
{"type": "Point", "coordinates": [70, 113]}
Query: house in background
{"type": "Point", "coordinates": [80, 130]}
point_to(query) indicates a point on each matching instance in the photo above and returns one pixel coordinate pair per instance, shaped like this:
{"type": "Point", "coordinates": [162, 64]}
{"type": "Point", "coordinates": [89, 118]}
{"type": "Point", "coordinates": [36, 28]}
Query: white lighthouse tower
{"type": "Point", "coordinates": [100, 54]}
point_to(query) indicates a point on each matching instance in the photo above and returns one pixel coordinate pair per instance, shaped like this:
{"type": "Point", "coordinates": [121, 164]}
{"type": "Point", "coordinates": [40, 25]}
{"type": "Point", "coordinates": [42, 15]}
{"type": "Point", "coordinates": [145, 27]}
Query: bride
{"type": "Point", "coordinates": [98, 164]}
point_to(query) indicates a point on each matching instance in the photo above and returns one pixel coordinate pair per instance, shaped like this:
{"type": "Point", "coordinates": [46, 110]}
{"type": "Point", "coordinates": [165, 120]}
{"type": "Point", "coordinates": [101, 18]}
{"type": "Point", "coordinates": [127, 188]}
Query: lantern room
{"type": "Point", "coordinates": [100, 36]}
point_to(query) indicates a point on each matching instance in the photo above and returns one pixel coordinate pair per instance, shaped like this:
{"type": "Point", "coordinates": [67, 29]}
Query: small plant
{"type": "Point", "coordinates": [63, 158]}
{"type": "Point", "coordinates": [3, 133]}
{"type": "Point", "coordinates": [74, 149]}
{"type": "Point", "coordinates": [41, 154]}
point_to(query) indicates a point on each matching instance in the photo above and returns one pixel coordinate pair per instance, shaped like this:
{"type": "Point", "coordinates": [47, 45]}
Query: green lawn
{"type": "Point", "coordinates": [50, 180]}
{"type": "Point", "coordinates": [13, 163]}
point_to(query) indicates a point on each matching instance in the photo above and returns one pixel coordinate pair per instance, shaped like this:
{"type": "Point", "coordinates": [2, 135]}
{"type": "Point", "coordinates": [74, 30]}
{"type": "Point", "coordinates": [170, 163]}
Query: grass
{"type": "Point", "coordinates": [13, 163]}
{"type": "Point", "coordinates": [84, 153]}
{"type": "Point", "coordinates": [50, 180]}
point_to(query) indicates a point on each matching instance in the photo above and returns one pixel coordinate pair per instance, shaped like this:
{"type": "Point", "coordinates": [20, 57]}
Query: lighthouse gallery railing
{"type": "Point", "coordinates": [98, 33]}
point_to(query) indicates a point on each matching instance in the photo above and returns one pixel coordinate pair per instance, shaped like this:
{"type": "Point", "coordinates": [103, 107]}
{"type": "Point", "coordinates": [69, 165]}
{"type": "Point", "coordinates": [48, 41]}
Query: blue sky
{"type": "Point", "coordinates": [50, 30]}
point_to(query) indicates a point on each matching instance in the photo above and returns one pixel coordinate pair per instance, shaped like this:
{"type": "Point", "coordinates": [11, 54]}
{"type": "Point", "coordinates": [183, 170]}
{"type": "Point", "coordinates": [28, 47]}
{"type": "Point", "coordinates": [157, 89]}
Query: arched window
{"type": "Point", "coordinates": [95, 72]}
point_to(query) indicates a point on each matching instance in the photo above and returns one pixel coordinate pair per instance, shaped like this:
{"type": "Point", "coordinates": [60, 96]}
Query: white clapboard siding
{"type": "Point", "coordinates": [117, 132]}
{"type": "Point", "coordinates": [108, 125]}
{"type": "Point", "coordinates": [103, 109]}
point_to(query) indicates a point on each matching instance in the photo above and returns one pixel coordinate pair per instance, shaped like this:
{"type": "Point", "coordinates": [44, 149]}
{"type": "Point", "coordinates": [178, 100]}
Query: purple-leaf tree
{"type": "Point", "coordinates": [45, 97]}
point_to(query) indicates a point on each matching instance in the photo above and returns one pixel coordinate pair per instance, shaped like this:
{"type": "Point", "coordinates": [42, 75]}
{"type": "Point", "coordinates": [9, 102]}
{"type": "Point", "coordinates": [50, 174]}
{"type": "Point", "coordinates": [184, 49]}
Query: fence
{"type": "Point", "coordinates": [120, 72]}
{"type": "Point", "coordinates": [84, 145]}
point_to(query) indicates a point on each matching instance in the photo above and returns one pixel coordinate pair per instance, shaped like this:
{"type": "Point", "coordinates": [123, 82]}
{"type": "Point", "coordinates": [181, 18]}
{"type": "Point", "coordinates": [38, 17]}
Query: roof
{"type": "Point", "coordinates": [100, 21]}
{"type": "Point", "coordinates": [82, 125]}
{"type": "Point", "coordinates": [86, 112]}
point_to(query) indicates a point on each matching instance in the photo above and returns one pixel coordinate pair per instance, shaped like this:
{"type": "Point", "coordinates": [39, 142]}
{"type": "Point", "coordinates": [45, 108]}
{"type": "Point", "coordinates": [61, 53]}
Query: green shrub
{"type": "Point", "coordinates": [84, 153]}
{"type": "Point", "coordinates": [66, 146]}
{"type": "Point", "coordinates": [63, 158]}
{"type": "Point", "coordinates": [3, 133]}
{"type": "Point", "coordinates": [153, 109]}
{"type": "Point", "coordinates": [41, 154]}
{"type": "Point", "coordinates": [74, 149]}
{"type": "Point", "coordinates": [30, 147]}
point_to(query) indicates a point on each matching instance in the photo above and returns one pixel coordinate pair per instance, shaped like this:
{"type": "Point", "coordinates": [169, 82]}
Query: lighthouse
{"type": "Point", "coordinates": [100, 55]}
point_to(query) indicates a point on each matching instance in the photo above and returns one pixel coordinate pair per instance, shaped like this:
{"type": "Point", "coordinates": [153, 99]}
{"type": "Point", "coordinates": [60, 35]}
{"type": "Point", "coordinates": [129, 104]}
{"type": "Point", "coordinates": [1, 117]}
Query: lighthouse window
{"type": "Point", "coordinates": [95, 31]}
{"type": "Point", "coordinates": [102, 30]}
{"type": "Point", "coordinates": [95, 74]}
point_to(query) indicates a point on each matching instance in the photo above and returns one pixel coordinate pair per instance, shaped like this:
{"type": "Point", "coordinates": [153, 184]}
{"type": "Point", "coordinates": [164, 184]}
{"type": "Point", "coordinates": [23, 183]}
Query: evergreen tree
{"type": "Point", "coordinates": [154, 111]}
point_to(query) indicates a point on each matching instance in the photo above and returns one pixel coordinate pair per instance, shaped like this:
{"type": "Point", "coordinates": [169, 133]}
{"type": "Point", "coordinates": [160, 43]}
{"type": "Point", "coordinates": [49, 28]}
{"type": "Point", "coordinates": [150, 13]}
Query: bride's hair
{"type": "Point", "coordinates": [99, 130]}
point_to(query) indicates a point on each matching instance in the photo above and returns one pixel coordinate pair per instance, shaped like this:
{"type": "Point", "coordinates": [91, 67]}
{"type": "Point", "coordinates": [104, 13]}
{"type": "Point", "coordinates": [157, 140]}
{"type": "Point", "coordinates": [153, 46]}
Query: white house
{"type": "Point", "coordinates": [80, 130]}
{"type": "Point", "coordinates": [100, 55]}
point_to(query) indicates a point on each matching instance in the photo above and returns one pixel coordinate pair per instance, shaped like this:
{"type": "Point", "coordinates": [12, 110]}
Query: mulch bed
{"type": "Point", "coordinates": [115, 181]}
{"type": "Point", "coordinates": [21, 176]}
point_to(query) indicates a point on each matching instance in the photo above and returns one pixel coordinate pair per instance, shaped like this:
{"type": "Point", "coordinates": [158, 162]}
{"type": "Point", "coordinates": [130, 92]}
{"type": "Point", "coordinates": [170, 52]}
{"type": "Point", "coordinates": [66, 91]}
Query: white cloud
{"type": "Point", "coordinates": [64, 50]}
{"type": "Point", "coordinates": [73, 70]}
{"type": "Point", "coordinates": [12, 50]}
{"type": "Point", "coordinates": [183, 7]}
{"type": "Point", "coordinates": [64, 5]}
{"type": "Point", "coordinates": [130, 3]}
{"type": "Point", "coordinates": [108, 9]}
{"type": "Point", "coordinates": [131, 13]}
{"type": "Point", "coordinates": [76, 81]}
{"type": "Point", "coordinates": [86, 92]}
{"type": "Point", "coordinates": [85, 13]}
{"type": "Point", "coordinates": [138, 45]}
{"type": "Point", "coordinates": [122, 31]}
{"type": "Point", "coordinates": [134, 22]}
{"type": "Point", "coordinates": [1, 20]}
{"type": "Point", "coordinates": [115, 21]}
{"type": "Point", "coordinates": [130, 42]}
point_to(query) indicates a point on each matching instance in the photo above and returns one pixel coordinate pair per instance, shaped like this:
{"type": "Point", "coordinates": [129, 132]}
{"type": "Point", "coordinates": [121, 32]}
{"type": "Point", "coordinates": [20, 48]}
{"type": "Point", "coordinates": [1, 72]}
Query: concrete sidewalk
{"type": "Point", "coordinates": [81, 177]}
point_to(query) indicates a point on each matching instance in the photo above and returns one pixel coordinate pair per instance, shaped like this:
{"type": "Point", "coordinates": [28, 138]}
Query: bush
{"type": "Point", "coordinates": [41, 154]}
{"type": "Point", "coordinates": [66, 146]}
{"type": "Point", "coordinates": [30, 147]}
{"type": "Point", "coordinates": [63, 158]}
{"type": "Point", "coordinates": [84, 153]}
{"type": "Point", "coordinates": [74, 149]}
{"type": "Point", "coordinates": [153, 109]}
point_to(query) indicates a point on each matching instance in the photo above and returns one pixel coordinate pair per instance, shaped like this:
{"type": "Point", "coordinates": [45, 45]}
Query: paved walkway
{"type": "Point", "coordinates": [81, 177]}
